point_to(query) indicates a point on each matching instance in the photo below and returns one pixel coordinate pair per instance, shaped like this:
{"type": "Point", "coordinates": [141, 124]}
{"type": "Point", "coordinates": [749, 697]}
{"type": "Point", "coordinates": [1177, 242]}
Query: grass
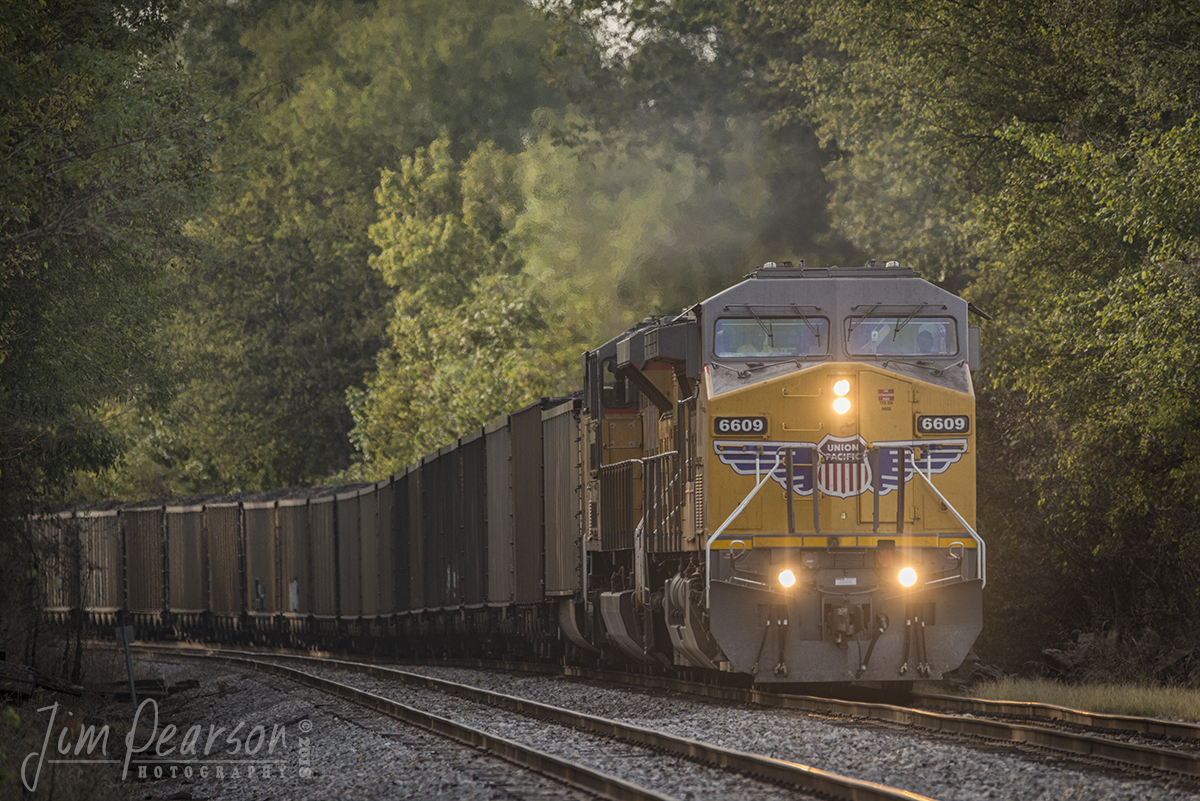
{"type": "Point", "coordinates": [1173, 703]}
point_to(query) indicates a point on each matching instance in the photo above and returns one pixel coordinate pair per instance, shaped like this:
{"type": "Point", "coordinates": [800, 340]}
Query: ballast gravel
{"type": "Point", "coordinates": [330, 749]}
{"type": "Point", "coordinates": [667, 774]}
{"type": "Point", "coordinates": [912, 761]}
{"type": "Point", "coordinates": [358, 754]}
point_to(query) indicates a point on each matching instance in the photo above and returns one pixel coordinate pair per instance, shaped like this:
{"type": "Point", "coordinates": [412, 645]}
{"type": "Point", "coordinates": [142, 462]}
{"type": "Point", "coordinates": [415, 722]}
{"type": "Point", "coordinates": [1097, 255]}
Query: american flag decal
{"type": "Point", "coordinates": [844, 471]}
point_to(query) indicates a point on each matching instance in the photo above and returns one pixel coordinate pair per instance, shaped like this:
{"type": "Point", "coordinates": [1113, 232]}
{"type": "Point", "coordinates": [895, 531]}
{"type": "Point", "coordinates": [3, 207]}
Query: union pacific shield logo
{"type": "Point", "coordinates": [843, 469]}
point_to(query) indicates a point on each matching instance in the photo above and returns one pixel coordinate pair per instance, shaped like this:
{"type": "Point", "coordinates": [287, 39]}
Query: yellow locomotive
{"type": "Point", "coordinates": [783, 480]}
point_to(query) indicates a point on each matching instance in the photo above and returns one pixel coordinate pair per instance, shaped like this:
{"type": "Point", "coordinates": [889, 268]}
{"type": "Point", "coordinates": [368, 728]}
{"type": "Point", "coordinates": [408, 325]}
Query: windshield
{"type": "Point", "coordinates": [901, 336]}
{"type": "Point", "coordinates": [771, 336]}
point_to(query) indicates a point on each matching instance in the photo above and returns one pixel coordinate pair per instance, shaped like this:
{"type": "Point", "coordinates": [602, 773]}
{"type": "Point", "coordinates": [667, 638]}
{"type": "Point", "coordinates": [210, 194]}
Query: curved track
{"type": "Point", "coordinates": [1029, 710]}
{"type": "Point", "coordinates": [1048, 733]}
{"type": "Point", "coordinates": [775, 771]}
{"type": "Point", "coordinates": [1042, 736]}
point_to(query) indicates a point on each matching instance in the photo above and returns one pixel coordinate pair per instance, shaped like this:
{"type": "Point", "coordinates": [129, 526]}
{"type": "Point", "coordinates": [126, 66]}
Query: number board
{"type": "Point", "coordinates": [739, 426]}
{"type": "Point", "coordinates": [928, 424]}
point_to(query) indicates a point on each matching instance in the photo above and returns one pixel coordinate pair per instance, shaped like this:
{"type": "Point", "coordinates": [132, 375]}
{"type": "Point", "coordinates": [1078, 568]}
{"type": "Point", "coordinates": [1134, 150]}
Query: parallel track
{"type": "Point", "coordinates": [1151, 727]}
{"type": "Point", "coordinates": [1069, 742]}
{"type": "Point", "coordinates": [781, 772]}
{"type": "Point", "coordinates": [1074, 743]}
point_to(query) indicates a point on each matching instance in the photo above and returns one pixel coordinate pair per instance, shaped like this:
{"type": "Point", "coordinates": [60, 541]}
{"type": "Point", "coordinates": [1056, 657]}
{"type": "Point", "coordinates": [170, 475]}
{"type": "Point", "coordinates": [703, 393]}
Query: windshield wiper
{"type": "Point", "coordinates": [926, 365]}
{"type": "Point", "coordinates": [812, 328]}
{"type": "Point", "coordinates": [908, 319]}
{"type": "Point", "coordinates": [862, 319]}
{"type": "Point", "coordinates": [766, 327]}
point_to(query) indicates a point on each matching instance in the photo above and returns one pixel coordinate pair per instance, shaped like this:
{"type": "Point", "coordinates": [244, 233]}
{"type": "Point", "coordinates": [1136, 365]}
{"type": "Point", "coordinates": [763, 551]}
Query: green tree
{"type": "Point", "coordinates": [691, 85]}
{"type": "Point", "coordinates": [468, 337]}
{"type": "Point", "coordinates": [283, 313]}
{"type": "Point", "coordinates": [105, 148]}
{"type": "Point", "coordinates": [1054, 148]}
{"type": "Point", "coordinates": [1041, 157]}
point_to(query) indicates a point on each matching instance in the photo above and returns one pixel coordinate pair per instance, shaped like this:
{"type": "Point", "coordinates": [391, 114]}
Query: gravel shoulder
{"type": "Point", "coordinates": [311, 746]}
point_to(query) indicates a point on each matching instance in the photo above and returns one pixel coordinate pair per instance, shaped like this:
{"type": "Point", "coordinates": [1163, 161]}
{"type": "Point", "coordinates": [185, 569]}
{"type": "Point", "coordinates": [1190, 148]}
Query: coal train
{"type": "Point", "coordinates": [778, 482]}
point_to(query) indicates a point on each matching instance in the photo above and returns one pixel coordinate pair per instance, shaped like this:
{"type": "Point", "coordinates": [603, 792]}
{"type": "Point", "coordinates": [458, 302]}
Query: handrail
{"type": "Point", "coordinates": [733, 516]}
{"type": "Point", "coordinates": [622, 492]}
{"type": "Point", "coordinates": [663, 509]}
{"type": "Point", "coordinates": [980, 544]}
{"type": "Point", "coordinates": [625, 463]}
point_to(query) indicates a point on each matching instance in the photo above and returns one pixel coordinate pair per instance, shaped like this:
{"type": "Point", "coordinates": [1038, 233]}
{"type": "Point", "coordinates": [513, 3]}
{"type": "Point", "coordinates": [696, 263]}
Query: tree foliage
{"type": "Point", "coordinates": [696, 81]}
{"type": "Point", "coordinates": [468, 335]}
{"type": "Point", "coordinates": [1053, 147]}
{"type": "Point", "coordinates": [1040, 156]}
{"type": "Point", "coordinates": [105, 148]}
{"type": "Point", "coordinates": [283, 313]}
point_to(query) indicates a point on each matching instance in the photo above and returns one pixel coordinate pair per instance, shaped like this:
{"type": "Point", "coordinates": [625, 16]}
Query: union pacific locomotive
{"type": "Point", "coordinates": [779, 481]}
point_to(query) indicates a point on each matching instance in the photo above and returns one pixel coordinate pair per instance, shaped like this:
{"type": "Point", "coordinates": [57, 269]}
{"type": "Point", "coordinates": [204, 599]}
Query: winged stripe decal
{"type": "Point", "coordinates": [841, 476]}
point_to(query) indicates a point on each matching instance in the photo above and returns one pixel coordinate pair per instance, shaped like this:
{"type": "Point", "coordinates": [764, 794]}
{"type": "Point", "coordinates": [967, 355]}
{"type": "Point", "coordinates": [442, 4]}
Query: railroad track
{"type": "Point", "coordinates": [1028, 710]}
{"type": "Point", "coordinates": [1042, 736]}
{"type": "Point", "coordinates": [1154, 728]}
{"type": "Point", "coordinates": [1175, 766]}
{"type": "Point", "coordinates": [775, 771]}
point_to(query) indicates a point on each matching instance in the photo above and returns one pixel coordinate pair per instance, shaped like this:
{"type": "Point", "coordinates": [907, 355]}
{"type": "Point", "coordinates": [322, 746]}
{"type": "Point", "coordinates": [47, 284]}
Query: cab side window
{"type": "Point", "coordinates": [615, 392]}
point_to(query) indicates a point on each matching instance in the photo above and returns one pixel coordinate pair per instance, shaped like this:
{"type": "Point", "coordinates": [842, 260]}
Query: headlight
{"type": "Point", "coordinates": [787, 578]}
{"type": "Point", "coordinates": [908, 577]}
{"type": "Point", "coordinates": [841, 388]}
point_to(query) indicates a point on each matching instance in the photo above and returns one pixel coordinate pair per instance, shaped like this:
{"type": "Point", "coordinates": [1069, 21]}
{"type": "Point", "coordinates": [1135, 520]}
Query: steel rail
{"type": "Point", "coordinates": [1151, 727]}
{"type": "Point", "coordinates": [777, 771]}
{"type": "Point", "coordinates": [1073, 743]}
{"type": "Point", "coordinates": [571, 773]}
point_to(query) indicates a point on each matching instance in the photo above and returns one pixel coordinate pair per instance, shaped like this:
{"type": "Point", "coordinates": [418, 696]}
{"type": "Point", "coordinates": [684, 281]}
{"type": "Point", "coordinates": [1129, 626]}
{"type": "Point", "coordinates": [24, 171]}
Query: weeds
{"type": "Point", "coordinates": [1174, 703]}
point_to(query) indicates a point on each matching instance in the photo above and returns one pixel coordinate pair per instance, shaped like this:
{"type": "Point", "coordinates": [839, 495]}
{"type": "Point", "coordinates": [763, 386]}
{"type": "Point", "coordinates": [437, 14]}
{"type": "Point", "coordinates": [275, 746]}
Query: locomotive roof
{"type": "Point", "coordinates": [872, 269]}
{"type": "Point", "coordinates": [901, 292]}
{"type": "Point", "coordinates": [780, 288]}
